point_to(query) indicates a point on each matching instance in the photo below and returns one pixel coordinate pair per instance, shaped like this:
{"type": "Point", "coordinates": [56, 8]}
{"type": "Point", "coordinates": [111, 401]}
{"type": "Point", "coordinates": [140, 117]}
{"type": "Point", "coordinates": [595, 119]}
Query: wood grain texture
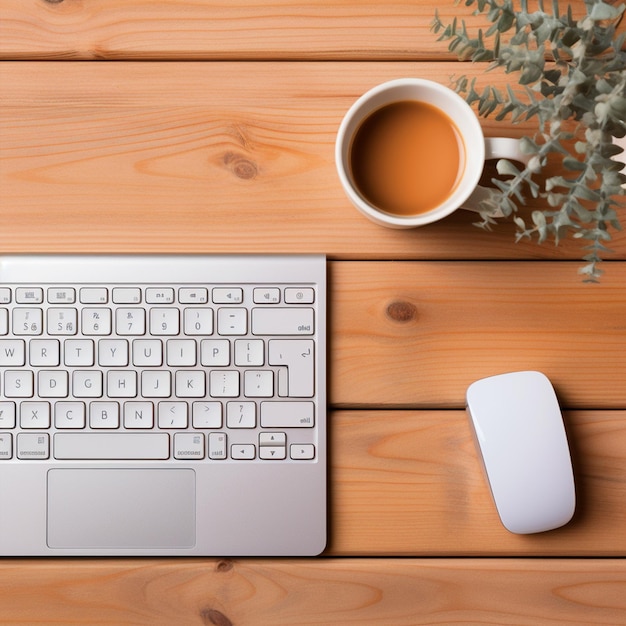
{"type": "Point", "coordinates": [197, 157]}
{"type": "Point", "coordinates": [369, 592]}
{"type": "Point", "coordinates": [418, 333]}
{"type": "Point", "coordinates": [410, 483]}
{"type": "Point", "coordinates": [204, 29]}
{"type": "Point", "coordinates": [237, 29]}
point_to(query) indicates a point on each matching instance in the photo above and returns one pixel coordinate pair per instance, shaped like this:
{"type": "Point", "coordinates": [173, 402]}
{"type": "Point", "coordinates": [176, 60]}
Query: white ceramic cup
{"type": "Point", "coordinates": [467, 193]}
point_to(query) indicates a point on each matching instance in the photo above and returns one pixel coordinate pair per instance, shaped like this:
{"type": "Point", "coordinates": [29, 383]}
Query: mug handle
{"type": "Point", "coordinates": [495, 148]}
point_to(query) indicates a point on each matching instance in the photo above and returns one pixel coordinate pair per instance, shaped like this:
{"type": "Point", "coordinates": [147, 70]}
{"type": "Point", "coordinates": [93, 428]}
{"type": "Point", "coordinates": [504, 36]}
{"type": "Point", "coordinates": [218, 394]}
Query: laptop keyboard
{"type": "Point", "coordinates": [169, 359]}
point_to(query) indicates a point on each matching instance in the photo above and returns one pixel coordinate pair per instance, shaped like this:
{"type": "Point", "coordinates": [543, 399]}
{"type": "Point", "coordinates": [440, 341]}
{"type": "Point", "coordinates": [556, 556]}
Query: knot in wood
{"type": "Point", "coordinates": [401, 311]}
{"type": "Point", "coordinates": [213, 617]}
{"type": "Point", "coordinates": [225, 565]}
{"type": "Point", "coordinates": [241, 166]}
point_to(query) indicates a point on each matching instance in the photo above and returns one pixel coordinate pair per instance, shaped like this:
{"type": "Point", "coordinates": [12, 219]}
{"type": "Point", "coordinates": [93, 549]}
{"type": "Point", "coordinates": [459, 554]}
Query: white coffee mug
{"type": "Point", "coordinates": [477, 148]}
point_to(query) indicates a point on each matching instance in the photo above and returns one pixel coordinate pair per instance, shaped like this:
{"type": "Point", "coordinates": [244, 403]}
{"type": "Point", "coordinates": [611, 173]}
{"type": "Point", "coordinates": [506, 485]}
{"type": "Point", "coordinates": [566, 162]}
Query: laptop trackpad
{"type": "Point", "coordinates": [121, 508]}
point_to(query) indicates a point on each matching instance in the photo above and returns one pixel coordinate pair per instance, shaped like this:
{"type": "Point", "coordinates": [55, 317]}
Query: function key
{"type": "Point", "coordinates": [94, 295]}
{"type": "Point", "coordinates": [266, 295]}
{"type": "Point", "coordinates": [299, 295]}
{"type": "Point", "coordinates": [5, 295]}
{"type": "Point", "coordinates": [29, 295]}
{"type": "Point", "coordinates": [61, 295]}
{"type": "Point", "coordinates": [227, 295]}
{"type": "Point", "coordinates": [190, 295]}
{"type": "Point", "coordinates": [126, 295]}
{"type": "Point", "coordinates": [159, 295]}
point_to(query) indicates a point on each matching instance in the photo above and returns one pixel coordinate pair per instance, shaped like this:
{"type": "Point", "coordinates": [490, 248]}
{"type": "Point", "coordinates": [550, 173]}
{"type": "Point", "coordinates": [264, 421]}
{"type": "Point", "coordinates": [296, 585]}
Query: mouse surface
{"type": "Point", "coordinates": [521, 437]}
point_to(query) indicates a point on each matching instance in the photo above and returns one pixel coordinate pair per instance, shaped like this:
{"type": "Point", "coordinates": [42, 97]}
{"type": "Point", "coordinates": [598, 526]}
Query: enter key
{"type": "Point", "coordinates": [299, 358]}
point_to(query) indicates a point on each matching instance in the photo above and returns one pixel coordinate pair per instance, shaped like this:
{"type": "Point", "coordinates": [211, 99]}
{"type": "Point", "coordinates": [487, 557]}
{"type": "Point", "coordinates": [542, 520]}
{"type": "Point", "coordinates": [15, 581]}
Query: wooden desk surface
{"type": "Point", "coordinates": [210, 128]}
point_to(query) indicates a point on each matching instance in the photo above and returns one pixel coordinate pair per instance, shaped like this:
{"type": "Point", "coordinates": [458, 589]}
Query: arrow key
{"type": "Point", "coordinates": [273, 453]}
{"type": "Point", "coordinates": [302, 451]}
{"type": "Point", "coordinates": [243, 451]}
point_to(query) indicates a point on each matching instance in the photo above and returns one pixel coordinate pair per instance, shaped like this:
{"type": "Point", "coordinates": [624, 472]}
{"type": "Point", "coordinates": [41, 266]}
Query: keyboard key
{"type": "Point", "coordinates": [190, 384]}
{"type": "Point", "coordinates": [298, 356]}
{"type": "Point", "coordinates": [241, 415]}
{"type": "Point", "coordinates": [282, 321]}
{"type": "Point", "coordinates": [113, 352]}
{"type": "Point", "coordinates": [302, 295]}
{"type": "Point", "coordinates": [193, 295]}
{"type": "Point", "coordinates": [126, 295]}
{"type": "Point", "coordinates": [62, 321]}
{"type": "Point", "coordinates": [270, 453]}
{"type": "Point", "coordinates": [181, 352]}
{"type": "Point", "coordinates": [156, 384]}
{"type": "Point", "coordinates": [87, 383]}
{"type": "Point", "coordinates": [217, 446]}
{"type": "Point", "coordinates": [69, 415]}
{"type": "Point", "coordinates": [164, 295]}
{"type": "Point", "coordinates": [96, 321]}
{"type": "Point", "coordinates": [164, 322]}
{"type": "Point", "coordinates": [258, 383]}
{"type": "Point", "coordinates": [121, 384]}
{"type": "Point", "coordinates": [5, 295]}
{"type": "Point", "coordinates": [243, 451]}
{"type": "Point", "coordinates": [249, 352]}
{"type": "Point", "coordinates": [18, 384]}
{"type": "Point", "coordinates": [232, 321]}
{"type": "Point", "coordinates": [7, 415]}
{"type": "Point", "coordinates": [35, 415]}
{"type": "Point", "coordinates": [302, 451]}
{"type": "Point", "coordinates": [42, 352]}
{"type": "Point", "coordinates": [61, 295]}
{"type": "Point", "coordinates": [12, 352]}
{"type": "Point", "coordinates": [94, 295]}
{"type": "Point", "coordinates": [138, 415]}
{"type": "Point", "coordinates": [27, 321]}
{"type": "Point", "coordinates": [227, 295]}
{"type": "Point", "coordinates": [52, 383]}
{"type": "Point", "coordinates": [130, 321]}
{"type": "Point", "coordinates": [215, 352]}
{"type": "Point", "coordinates": [148, 352]}
{"type": "Point", "coordinates": [116, 446]}
{"type": "Point", "coordinates": [29, 295]}
{"type": "Point", "coordinates": [172, 415]}
{"type": "Point", "coordinates": [207, 414]}
{"type": "Point", "coordinates": [223, 384]}
{"type": "Point", "coordinates": [33, 446]}
{"type": "Point", "coordinates": [78, 352]}
{"type": "Point", "coordinates": [6, 446]}
{"type": "Point", "coordinates": [266, 295]}
{"type": "Point", "coordinates": [188, 446]}
{"type": "Point", "coordinates": [104, 415]}
{"type": "Point", "coordinates": [287, 414]}
{"type": "Point", "coordinates": [198, 322]}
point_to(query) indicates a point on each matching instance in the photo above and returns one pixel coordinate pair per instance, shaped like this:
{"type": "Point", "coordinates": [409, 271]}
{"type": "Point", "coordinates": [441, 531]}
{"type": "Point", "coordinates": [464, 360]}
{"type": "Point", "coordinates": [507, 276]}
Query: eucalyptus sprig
{"type": "Point", "coordinates": [572, 77]}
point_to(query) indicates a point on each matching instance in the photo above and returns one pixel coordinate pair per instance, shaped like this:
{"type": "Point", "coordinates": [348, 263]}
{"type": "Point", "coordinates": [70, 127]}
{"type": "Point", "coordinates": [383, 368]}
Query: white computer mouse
{"type": "Point", "coordinates": [520, 434]}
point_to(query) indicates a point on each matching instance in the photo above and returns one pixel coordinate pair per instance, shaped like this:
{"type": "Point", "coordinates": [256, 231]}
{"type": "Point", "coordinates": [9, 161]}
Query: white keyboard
{"type": "Point", "coordinates": [201, 359]}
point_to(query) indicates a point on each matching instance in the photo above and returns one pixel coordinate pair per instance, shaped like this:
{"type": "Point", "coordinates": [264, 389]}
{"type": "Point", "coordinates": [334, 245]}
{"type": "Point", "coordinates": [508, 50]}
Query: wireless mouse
{"type": "Point", "coordinates": [521, 438]}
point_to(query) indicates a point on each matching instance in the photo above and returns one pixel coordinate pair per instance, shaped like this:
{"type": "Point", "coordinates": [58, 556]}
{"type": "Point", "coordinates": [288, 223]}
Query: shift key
{"type": "Point", "coordinates": [282, 321]}
{"type": "Point", "coordinates": [287, 414]}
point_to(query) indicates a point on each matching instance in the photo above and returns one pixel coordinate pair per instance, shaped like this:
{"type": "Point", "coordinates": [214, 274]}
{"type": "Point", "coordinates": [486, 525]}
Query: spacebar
{"type": "Point", "coordinates": [116, 446]}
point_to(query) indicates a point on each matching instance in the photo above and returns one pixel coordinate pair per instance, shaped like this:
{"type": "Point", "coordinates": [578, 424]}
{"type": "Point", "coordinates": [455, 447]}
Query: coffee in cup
{"type": "Point", "coordinates": [411, 151]}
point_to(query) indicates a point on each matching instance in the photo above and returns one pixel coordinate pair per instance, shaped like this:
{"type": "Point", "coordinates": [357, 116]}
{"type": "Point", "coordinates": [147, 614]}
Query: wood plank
{"type": "Point", "coordinates": [154, 157]}
{"type": "Point", "coordinates": [418, 333]}
{"type": "Point", "coordinates": [204, 29]}
{"type": "Point", "coordinates": [323, 591]}
{"type": "Point", "coordinates": [411, 483]}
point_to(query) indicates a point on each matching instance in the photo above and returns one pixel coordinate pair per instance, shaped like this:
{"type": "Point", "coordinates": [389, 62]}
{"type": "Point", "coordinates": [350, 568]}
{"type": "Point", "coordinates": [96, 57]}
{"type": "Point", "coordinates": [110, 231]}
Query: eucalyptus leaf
{"type": "Point", "coordinates": [578, 102]}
